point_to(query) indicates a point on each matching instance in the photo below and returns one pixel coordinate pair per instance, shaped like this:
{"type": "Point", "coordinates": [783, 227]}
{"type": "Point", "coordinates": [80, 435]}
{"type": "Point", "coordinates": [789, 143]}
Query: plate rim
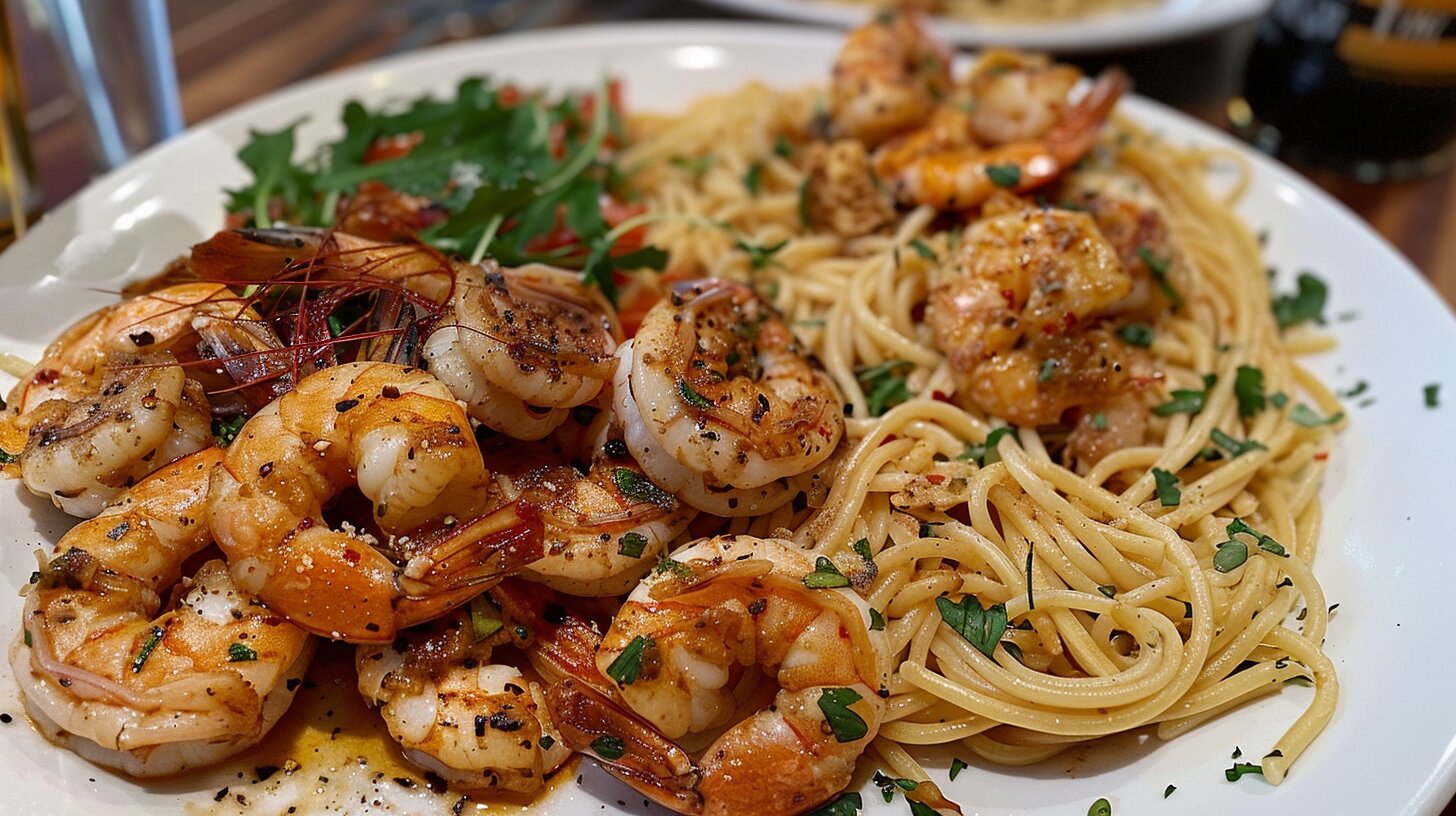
{"type": "Point", "coordinates": [1108, 31]}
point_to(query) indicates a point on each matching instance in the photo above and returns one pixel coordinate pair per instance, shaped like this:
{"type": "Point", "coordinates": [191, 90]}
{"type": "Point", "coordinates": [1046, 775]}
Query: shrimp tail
{"type": "Point", "coordinates": [447, 562]}
{"type": "Point", "coordinates": [564, 641]}
{"type": "Point", "coordinates": [650, 762]}
{"type": "Point", "coordinates": [253, 255]}
{"type": "Point", "coordinates": [1071, 138]}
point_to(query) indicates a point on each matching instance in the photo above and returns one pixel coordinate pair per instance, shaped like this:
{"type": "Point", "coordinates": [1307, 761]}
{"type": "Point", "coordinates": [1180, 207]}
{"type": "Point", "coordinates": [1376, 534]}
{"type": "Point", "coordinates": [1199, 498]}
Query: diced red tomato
{"type": "Point", "coordinates": [635, 306]}
{"type": "Point", "coordinates": [510, 96]}
{"type": "Point", "coordinates": [398, 146]}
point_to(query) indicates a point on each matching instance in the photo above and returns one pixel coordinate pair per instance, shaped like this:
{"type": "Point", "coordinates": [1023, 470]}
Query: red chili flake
{"type": "Point", "coordinates": [934, 478]}
{"type": "Point", "coordinates": [305, 523]}
{"type": "Point", "coordinates": [46, 376]}
{"type": "Point", "coordinates": [1050, 327]}
{"type": "Point", "coordinates": [888, 439]}
{"type": "Point", "coordinates": [352, 556]}
{"type": "Point", "coordinates": [1068, 321]}
{"type": "Point", "coordinates": [1320, 457]}
{"type": "Point", "coordinates": [1010, 296]}
{"type": "Point", "coordinates": [940, 396]}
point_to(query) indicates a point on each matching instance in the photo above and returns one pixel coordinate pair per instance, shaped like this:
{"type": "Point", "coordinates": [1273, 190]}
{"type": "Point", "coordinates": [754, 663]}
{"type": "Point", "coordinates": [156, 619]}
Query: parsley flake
{"type": "Point", "coordinates": [1307, 303]}
{"type": "Point", "coordinates": [1249, 390]}
{"type": "Point", "coordinates": [241, 653]}
{"type": "Point", "coordinates": [1136, 334]}
{"type": "Point", "coordinates": [1433, 395]}
{"type": "Point", "coordinates": [632, 545]}
{"type": "Point", "coordinates": [1167, 488]}
{"type": "Point", "coordinates": [1240, 769]}
{"type": "Point", "coordinates": [1004, 175]}
{"type": "Point", "coordinates": [825, 576]}
{"type": "Point", "coordinates": [923, 250]}
{"type": "Point", "coordinates": [848, 804]}
{"type": "Point", "coordinates": [981, 627]}
{"type": "Point", "coordinates": [885, 385]}
{"type": "Point", "coordinates": [844, 722]}
{"type": "Point", "coordinates": [148, 646]}
{"type": "Point", "coordinates": [1159, 268]}
{"type": "Point", "coordinates": [1307, 417]}
{"type": "Point", "coordinates": [609, 747]}
{"type": "Point", "coordinates": [1230, 556]}
{"type": "Point", "coordinates": [956, 766]}
{"type": "Point", "coordinates": [984, 453]}
{"type": "Point", "coordinates": [627, 667]}
{"type": "Point", "coordinates": [1101, 807]}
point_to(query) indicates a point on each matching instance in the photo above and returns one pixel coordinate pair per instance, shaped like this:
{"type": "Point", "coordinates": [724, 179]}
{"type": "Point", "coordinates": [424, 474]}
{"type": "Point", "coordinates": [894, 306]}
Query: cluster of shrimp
{"type": "Point", "coordinates": [1056, 246]}
{"type": "Point", "coordinates": [453, 490]}
{"type": "Point", "coordinates": [526, 436]}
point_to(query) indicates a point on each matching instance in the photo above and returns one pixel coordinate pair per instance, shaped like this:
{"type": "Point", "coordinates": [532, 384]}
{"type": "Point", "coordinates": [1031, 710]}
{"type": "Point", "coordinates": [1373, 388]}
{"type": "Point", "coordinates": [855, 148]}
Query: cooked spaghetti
{"type": "Point", "coordinates": [1121, 613]}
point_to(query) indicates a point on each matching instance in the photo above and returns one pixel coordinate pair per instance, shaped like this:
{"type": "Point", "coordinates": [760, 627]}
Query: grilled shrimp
{"type": "Point", "coordinates": [523, 346]}
{"type": "Point", "coordinates": [103, 674]}
{"type": "Point", "coordinates": [967, 177]}
{"type": "Point", "coordinates": [478, 724]}
{"type": "Point", "coordinates": [720, 404]}
{"type": "Point", "coordinates": [108, 402]}
{"type": "Point", "coordinates": [603, 522]}
{"type": "Point", "coordinates": [888, 76]}
{"type": "Point", "coordinates": [688, 638]}
{"type": "Point", "coordinates": [519, 346]}
{"type": "Point", "coordinates": [399, 436]}
{"type": "Point", "coordinates": [1017, 98]}
{"type": "Point", "coordinates": [1015, 314]}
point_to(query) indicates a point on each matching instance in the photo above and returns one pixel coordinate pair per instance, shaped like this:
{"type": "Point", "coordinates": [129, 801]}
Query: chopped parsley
{"type": "Point", "coordinates": [887, 784]}
{"type": "Point", "coordinates": [1433, 395]}
{"type": "Point", "coordinates": [844, 722]}
{"type": "Point", "coordinates": [980, 627]}
{"type": "Point", "coordinates": [759, 255]}
{"type": "Point", "coordinates": [782, 147]}
{"type": "Point", "coordinates": [1136, 334]}
{"type": "Point", "coordinates": [1101, 807]}
{"type": "Point", "coordinates": [241, 653]}
{"type": "Point", "coordinates": [1186, 400]}
{"type": "Point", "coordinates": [6, 457]}
{"type": "Point", "coordinates": [1307, 417]}
{"type": "Point", "coordinates": [1107, 589]}
{"type": "Point", "coordinates": [638, 487]}
{"type": "Point", "coordinates": [923, 250]}
{"type": "Point", "coordinates": [627, 667]}
{"type": "Point", "coordinates": [1167, 488]}
{"type": "Point", "coordinates": [677, 569]}
{"type": "Point", "coordinates": [1249, 390]}
{"type": "Point", "coordinates": [1159, 268]}
{"type": "Point", "coordinates": [1004, 175]}
{"type": "Point", "coordinates": [825, 576]}
{"type": "Point", "coordinates": [877, 621]}
{"type": "Point", "coordinates": [1168, 791]}
{"type": "Point", "coordinates": [692, 397]}
{"type": "Point", "coordinates": [753, 179]}
{"type": "Point", "coordinates": [484, 619]}
{"type": "Point", "coordinates": [1305, 304]}
{"type": "Point", "coordinates": [632, 545]}
{"type": "Point", "coordinates": [226, 430]}
{"type": "Point", "coordinates": [1048, 370]}
{"type": "Point", "coordinates": [885, 385]}
{"type": "Point", "coordinates": [956, 766]}
{"type": "Point", "coordinates": [1099, 421]}
{"type": "Point", "coordinates": [148, 646]}
{"type": "Point", "coordinates": [696, 166]}
{"type": "Point", "coordinates": [848, 804]}
{"type": "Point", "coordinates": [1240, 769]}
{"type": "Point", "coordinates": [1265, 542]}
{"type": "Point", "coordinates": [609, 747]}
{"type": "Point", "coordinates": [1234, 447]}
{"type": "Point", "coordinates": [1230, 556]}
{"type": "Point", "coordinates": [1278, 399]}
{"type": "Point", "coordinates": [984, 453]}
{"type": "Point", "coordinates": [546, 742]}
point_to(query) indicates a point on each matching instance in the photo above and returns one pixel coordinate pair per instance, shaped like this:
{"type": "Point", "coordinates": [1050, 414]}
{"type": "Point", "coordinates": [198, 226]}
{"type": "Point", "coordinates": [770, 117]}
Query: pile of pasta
{"type": "Point", "coordinates": [1089, 604]}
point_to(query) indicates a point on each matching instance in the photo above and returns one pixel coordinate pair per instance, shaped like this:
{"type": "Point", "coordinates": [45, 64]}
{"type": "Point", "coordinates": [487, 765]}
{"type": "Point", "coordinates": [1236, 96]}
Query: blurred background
{"type": "Point", "coordinates": [229, 51]}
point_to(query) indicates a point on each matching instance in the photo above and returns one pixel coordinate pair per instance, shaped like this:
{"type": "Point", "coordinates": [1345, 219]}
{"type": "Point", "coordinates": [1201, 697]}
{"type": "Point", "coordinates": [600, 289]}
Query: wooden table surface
{"type": "Point", "coordinates": [229, 52]}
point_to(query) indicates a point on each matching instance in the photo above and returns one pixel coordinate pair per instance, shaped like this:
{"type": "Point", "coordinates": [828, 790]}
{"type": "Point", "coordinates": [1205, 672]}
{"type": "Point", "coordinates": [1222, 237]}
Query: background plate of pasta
{"type": "Point", "coordinates": [1064, 26]}
{"type": "Point", "coordinates": [880, 449]}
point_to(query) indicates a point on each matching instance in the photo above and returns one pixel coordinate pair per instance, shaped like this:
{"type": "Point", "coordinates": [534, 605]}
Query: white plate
{"type": "Point", "coordinates": [1162, 21]}
{"type": "Point", "coordinates": [1385, 555]}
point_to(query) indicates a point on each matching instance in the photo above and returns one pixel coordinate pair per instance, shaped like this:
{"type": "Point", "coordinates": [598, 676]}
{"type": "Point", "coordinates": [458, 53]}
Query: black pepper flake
{"type": "Point", "coordinates": [115, 533]}
{"type": "Point", "coordinates": [266, 469]}
{"type": "Point", "coordinates": [346, 405]}
{"type": "Point", "coordinates": [480, 720]}
{"type": "Point", "coordinates": [220, 795]}
{"type": "Point", "coordinates": [404, 782]}
{"type": "Point", "coordinates": [292, 683]}
{"type": "Point", "coordinates": [389, 392]}
{"type": "Point", "coordinates": [554, 613]}
{"type": "Point", "coordinates": [263, 772]}
{"type": "Point", "coordinates": [435, 782]}
{"type": "Point", "coordinates": [142, 339]}
{"type": "Point", "coordinates": [756, 608]}
{"type": "Point", "coordinates": [502, 721]}
{"type": "Point", "coordinates": [6, 718]}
